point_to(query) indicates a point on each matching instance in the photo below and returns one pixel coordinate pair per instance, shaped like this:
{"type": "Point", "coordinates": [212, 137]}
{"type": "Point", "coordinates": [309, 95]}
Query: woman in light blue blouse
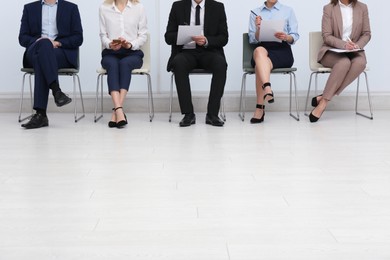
{"type": "Point", "coordinates": [270, 54]}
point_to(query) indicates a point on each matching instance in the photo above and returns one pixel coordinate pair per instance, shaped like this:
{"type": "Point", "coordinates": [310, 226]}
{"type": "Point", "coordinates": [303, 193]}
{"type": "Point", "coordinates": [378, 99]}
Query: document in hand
{"type": "Point", "coordinates": [345, 51]}
{"type": "Point", "coordinates": [186, 32]}
{"type": "Point", "coordinates": [268, 29]}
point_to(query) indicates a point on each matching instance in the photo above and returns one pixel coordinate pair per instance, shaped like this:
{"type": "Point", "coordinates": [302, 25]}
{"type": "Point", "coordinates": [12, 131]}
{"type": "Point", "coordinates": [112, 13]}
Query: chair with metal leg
{"type": "Point", "coordinates": [247, 53]}
{"type": "Point", "coordinates": [194, 72]}
{"type": "Point", "coordinates": [73, 72]}
{"type": "Point", "coordinates": [143, 71]}
{"type": "Point", "coordinates": [315, 43]}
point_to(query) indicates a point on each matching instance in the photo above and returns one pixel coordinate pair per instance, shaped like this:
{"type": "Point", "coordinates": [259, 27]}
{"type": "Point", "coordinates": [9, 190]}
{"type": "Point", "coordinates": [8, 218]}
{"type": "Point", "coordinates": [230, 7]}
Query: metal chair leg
{"type": "Point", "coordinates": [99, 80]}
{"type": "Point", "coordinates": [20, 119]}
{"type": "Point", "coordinates": [371, 116]}
{"type": "Point", "coordinates": [150, 98]}
{"type": "Point", "coordinates": [222, 110]}
{"type": "Point", "coordinates": [241, 113]}
{"type": "Point", "coordinates": [293, 79]}
{"type": "Point", "coordinates": [308, 93]}
{"type": "Point", "coordinates": [76, 79]}
{"type": "Point", "coordinates": [170, 98]}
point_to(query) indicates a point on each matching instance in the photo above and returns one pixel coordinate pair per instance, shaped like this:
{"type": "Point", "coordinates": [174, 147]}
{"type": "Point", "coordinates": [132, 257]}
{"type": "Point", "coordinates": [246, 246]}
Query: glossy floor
{"type": "Point", "coordinates": [279, 190]}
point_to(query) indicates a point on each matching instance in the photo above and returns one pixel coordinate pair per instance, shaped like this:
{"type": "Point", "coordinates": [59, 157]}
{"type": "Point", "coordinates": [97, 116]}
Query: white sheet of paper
{"type": "Point", "coordinates": [345, 51]}
{"type": "Point", "coordinates": [185, 33]}
{"type": "Point", "coordinates": [268, 29]}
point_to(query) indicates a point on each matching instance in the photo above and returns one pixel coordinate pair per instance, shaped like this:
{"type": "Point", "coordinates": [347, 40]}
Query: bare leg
{"type": "Point", "coordinates": [117, 99]}
{"type": "Point", "coordinates": [318, 110]}
{"type": "Point", "coordinates": [263, 71]}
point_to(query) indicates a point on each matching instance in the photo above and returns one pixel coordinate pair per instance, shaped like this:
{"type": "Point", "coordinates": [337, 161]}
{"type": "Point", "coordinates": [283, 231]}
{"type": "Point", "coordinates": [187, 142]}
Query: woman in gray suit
{"type": "Point", "coordinates": [346, 26]}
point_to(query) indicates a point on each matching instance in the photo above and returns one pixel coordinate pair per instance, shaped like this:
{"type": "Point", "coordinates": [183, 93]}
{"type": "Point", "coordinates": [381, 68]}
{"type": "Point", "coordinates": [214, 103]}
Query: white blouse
{"type": "Point", "coordinates": [347, 14]}
{"type": "Point", "coordinates": [131, 24]}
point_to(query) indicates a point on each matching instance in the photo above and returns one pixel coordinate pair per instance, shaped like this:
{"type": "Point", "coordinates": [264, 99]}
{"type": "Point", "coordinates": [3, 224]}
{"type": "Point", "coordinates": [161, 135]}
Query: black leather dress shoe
{"type": "Point", "coordinates": [214, 120]}
{"type": "Point", "coordinates": [61, 99]}
{"type": "Point", "coordinates": [36, 121]}
{"type": "Point", "coordinates": [188, 119]}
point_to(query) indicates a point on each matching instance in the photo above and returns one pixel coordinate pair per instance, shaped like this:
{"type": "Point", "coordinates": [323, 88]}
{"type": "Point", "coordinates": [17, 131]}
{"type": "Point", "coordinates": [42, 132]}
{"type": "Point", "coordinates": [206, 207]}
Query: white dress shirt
{"type": "Point", "coordinates": [130, 24]}
{"type": "Point", "coordinates": [347, 14]}
{"type": "Point", "coordinates": [192, 45]}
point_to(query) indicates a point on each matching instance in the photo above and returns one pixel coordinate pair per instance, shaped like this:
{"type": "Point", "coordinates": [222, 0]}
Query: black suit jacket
{"type": "Point", "coordinates": [70, 31]}
{"type": "Point", "coordinates": [215, 26]}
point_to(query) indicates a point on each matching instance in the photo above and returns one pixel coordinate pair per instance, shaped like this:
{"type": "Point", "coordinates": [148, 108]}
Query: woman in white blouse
{"type": "Point", "coordinates": [123, 30]}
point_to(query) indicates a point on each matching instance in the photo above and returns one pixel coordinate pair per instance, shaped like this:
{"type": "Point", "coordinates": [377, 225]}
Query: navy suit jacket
{"type": "Point", "coordinates": [215, 26]}
{"type": "Point", "coordinates": [70, 31]}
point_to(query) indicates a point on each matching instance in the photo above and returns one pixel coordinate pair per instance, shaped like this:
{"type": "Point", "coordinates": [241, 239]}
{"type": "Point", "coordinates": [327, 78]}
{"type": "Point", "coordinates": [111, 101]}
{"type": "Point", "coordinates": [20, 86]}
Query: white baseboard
{"type": "Point", "coordinates": [138, 102]}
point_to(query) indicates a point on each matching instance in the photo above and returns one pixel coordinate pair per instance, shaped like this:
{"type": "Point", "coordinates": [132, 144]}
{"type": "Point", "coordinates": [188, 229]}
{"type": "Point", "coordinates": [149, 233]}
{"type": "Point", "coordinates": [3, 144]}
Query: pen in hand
{"type": "Point", "coordinates": [352, 43]}
{"type": "Point", "coordinates": [255, 14]}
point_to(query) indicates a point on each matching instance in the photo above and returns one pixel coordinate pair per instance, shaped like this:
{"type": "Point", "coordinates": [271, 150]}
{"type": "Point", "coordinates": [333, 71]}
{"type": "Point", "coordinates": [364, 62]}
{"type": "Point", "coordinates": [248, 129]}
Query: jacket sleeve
{"type": "Point", "coordinates": [74, 38]}
{"type": "Point", "coordinates": [25, 36]}
{"type": "Point", "coordinates": [172, 27]}
{"type": "Point", "coordinates": [327, 29]}
{"type": "Point", "coordinates": [366, 30]}
{"type": "Point", "coordinates": [220, 39]}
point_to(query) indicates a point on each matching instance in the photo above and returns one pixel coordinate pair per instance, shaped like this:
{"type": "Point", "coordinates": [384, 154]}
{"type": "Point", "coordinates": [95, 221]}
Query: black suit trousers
{"type": "Point", "coordinates": [199, 58]}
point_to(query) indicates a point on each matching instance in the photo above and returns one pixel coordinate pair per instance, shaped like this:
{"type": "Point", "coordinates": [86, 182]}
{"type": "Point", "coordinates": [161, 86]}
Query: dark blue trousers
{"type": "Point", "coordinates": [119, 65]}
{"type": "Point", "coordinates": [45, 60]}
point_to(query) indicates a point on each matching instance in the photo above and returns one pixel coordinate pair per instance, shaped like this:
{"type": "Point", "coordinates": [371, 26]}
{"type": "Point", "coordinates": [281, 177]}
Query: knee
{"type": "Point", "coordinates": [109, 64]}
{"type": "Point", "coordinates": [179, 63]}
{"type": "Point", "coordinates": [344, 64]}
{"type": "Point", "coordinates": [44, 46]}
{"type": "Point", "coordinates": [130, 63]}
{"type": "Point", "coordinates": [359, 65]}
{"type": "Point", "coordinates": [260, 53]}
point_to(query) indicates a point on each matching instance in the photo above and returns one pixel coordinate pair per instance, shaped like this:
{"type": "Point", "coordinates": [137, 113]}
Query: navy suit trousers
{"type": "Point", "coordinates": [45, 60]}
{"type": "Point", "coordinates": [119, 65]}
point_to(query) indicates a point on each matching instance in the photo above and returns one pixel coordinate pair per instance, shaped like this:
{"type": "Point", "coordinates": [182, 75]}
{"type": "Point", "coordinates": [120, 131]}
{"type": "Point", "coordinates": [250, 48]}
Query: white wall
{"type": "Point", "coordinates": [308, 13]}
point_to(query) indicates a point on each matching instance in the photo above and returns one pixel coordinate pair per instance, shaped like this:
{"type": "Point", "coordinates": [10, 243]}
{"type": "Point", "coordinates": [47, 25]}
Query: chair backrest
{"type": "Point", "coordinates": [315, 44]}
{"type": "Point", "coordinates": [247, 53]}
{"type": "Point", "coordinates": [146, 49]}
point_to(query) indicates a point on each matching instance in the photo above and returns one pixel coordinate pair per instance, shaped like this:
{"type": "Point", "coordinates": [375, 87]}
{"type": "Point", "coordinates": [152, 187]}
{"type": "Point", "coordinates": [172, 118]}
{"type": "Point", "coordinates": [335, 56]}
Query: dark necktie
{"type": "Point", "coordinates": [197, 15]}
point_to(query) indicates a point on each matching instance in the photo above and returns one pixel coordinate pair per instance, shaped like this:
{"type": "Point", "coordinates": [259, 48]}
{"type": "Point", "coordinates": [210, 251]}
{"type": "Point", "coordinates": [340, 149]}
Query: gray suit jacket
{"type": "Point", "coordinates": [332, 28]}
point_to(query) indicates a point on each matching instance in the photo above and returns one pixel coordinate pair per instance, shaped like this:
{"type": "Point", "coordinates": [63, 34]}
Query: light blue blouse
{"type": "Point", "coordinates": [277, 12]}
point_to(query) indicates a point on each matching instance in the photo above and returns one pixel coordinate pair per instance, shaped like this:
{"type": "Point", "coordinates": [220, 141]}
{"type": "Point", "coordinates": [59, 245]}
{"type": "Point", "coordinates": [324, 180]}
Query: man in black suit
{"type": "Point", "coordinates": [51, 32]}
{"type": "Point", "coordinates": [206, 52]}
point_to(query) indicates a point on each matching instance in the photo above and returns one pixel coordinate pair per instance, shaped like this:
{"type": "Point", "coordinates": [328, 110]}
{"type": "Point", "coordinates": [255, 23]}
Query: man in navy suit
{"type": "Point", "coordinates": [52, 33]}
{"type": "Point", "coordinates": [205, 52]}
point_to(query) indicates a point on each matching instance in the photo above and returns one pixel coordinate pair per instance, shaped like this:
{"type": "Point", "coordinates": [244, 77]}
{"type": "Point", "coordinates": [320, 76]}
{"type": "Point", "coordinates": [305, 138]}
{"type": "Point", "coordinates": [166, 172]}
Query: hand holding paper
{"type": "Point", "coordinates": [269, 30]}
{"type": "Point", "coordinates": [187, 32]}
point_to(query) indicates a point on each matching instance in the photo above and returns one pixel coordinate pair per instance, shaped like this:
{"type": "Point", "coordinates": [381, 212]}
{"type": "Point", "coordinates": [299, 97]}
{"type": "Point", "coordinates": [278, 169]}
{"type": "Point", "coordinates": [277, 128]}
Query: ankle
{"type": "Point", "coordinates": [267, 84]}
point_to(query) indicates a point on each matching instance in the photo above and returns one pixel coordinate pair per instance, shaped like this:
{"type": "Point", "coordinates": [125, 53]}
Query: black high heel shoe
{"type": "Point", "coordinates": [121, 123]}
{"type": "Point", "coordinates": [313, 118]}
{"type": "Point", "coordinates": [314, 101]}
{"type": "Point", "coordinates": [112, 124]}
{"type": "Point", "coordinates": [258, 120]}
{"type": "Point", "coordinates": [271, 100]}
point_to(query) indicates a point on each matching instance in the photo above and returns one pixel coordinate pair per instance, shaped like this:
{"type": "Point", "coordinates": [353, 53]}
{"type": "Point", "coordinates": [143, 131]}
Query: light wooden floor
{"type": "Point", "coordinates": [276, 191]}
